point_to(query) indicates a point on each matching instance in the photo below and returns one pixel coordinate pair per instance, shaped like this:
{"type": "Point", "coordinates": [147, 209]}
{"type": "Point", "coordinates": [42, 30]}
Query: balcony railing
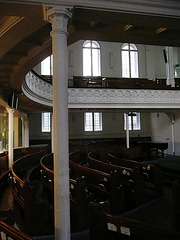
{"type": "Point", "coordinates": [99, 92]}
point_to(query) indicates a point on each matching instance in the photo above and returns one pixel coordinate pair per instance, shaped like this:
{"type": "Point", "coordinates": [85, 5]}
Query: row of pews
{"type": "Point", "coordinates": [115, 82]}
{"type": "Point", "coordinates": [106, 190]}
{"type": "Point", "coordinates": [123, 194]}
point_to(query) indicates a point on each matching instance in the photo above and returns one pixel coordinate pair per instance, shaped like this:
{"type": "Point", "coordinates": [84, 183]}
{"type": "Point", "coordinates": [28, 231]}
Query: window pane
{"type": "Point", "coordinates": [133, 47]}
{"type": "Point", "coordinates": [86, 62]}
{"type": "Point", "coordinates": [134, 65]}
{"type": "Point", "coordinates": [125, 64]}
{"type": "Point", "coordinates": [88, 122]}
{"type": "Point", "coordinates": [129, 55]}
{"type": "Point", "coordinates": [129, 121]}
{"type": "Point", "coordinates": [87, 44]}
{"type": "Point", "coordinates": [95, 44]}
{"type": "Point", "coordinates": [96, 70]}
{"type": "Point", "coordinates": [46, 122]}
{"type": "Point", "coordinates": [91, 59]}
{"type": "Point", "coordinates": [47, 66]}
{"type": "Point", "coordinates": [136, 122]}
{"type": "Point", "coordinates": [97, 121]}
{"type": "Point", "coordinates": [125, 46]}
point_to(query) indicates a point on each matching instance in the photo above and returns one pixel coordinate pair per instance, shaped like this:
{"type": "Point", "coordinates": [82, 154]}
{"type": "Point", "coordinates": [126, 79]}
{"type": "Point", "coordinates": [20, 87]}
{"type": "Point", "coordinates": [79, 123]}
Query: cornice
{"type": "Point", "coordinates": [153, 7]}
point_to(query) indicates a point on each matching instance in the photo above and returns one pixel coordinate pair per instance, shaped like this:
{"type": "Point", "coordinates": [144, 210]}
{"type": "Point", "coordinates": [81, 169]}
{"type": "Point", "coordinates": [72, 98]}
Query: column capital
{"type": "Point", "coordinates": [10, 110]}
{"type": "Point", "coordinates": [58, 16]}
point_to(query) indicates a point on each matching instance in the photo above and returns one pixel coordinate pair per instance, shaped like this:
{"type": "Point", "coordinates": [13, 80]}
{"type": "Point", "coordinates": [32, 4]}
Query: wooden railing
{"type": "Point", "coordinates": [116, 82]}
{"type": "Point", "coordinates": [8, 232]}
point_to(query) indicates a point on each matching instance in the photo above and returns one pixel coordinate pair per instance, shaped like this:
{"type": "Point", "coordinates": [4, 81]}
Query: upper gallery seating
{"type": "Point", "coordinates": [116, 82]}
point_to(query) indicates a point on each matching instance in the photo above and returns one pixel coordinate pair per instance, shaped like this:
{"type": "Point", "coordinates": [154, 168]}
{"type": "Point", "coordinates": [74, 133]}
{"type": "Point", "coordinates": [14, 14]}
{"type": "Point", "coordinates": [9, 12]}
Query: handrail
{"type": "Point", "coordinates": [41, 77]}
{"type": "Point", "coordinates": [9, 232]}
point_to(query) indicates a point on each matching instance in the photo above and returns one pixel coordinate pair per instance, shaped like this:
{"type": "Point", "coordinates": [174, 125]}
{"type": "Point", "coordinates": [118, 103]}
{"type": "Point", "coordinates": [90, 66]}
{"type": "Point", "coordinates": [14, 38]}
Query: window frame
{"type": "Point", "coordinates": [130, 49]}
{"type": "Point", "coordinates": [94, 50]}
{"type": "Point", "coordinates": [92, 126]}
{"type": "Point", "coordinates": [134, 121]}
{"type": "Point", "coordinates": [45, 129]}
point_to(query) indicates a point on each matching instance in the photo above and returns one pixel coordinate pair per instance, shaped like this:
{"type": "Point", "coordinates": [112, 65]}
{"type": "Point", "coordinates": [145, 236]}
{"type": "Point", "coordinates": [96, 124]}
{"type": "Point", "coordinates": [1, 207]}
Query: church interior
{"type": "Point", "coordinates": [89, 120]}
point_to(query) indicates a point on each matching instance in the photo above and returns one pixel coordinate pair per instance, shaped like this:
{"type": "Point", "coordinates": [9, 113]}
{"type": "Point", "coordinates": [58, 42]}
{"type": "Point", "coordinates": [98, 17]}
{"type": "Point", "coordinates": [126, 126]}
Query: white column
{"type": "Point", "coordinates": [26, 132]}
{"type": "Point", "coordinates": [173, 142]}
{"type": "Point", "coordinates": [127, 131]}
{"type": "Point", "coordinates": [10, 136]}
{"type": "Point", "coordinates": [169, 66]}
{"type": "Point", "coordinates": [52, 134]}
{"type": "Point", "coordinates": [172, 118]}
{"type": "Point", "coordinates": [58, 17]}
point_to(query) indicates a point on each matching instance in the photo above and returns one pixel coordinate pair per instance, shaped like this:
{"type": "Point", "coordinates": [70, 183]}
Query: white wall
{"type": "Point", "coordinates": [161, 130]}
{"type": "Point", "coordinates": [113, 126]}
{"type": "Point", "coordinates": [151, 65]}
{"type": "Point", "coordinates": [151, 60]}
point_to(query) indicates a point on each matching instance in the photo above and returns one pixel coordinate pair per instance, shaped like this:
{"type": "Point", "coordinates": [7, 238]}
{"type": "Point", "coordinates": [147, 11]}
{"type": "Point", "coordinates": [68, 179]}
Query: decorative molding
{"type": "Point", "coordinates": [37, 89]}
{"type": "Point", "coordinates": [124, 98]}
{"type": "Point", "coordinates": [40, 91]}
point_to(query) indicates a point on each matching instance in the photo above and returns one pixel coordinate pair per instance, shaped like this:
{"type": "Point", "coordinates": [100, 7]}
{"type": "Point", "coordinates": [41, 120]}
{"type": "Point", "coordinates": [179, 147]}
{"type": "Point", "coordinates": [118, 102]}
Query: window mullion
{"type": "Point", "coordinates": [91, 60]}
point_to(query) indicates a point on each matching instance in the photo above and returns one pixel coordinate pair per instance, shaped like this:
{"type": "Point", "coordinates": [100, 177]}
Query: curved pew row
{"type": "Point", "coordinates": [149, 171]}
{"type": "Point", "coordinates": [158, 219]}
{"type": "Point", "coordinates": [18, 153]}
{"type": "Point", "coordinates": [33, 207]}
{"type": "Point", "coordinates": [79, 195]}
{"type": "Point", "coordinates": [96, 186]}
{"type": "Point", "coordinates": [122, 186]}
{"type": "Point", "coordinates": [130, 178]}
{"type": "Point", "coordinates": [7, 214]}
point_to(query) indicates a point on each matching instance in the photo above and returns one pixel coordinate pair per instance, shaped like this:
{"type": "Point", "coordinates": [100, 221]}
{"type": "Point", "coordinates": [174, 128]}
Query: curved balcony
{"type": "Point", "coordinates": [37, 89]}
{"type": "Point", "coordinates": [105, 96]}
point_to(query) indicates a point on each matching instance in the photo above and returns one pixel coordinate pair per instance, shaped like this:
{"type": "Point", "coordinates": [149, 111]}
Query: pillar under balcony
{"type": "Point", "coordinates": [10, 137]}
{"type": "Point", "coordinates": [26, 132]}
{"type": "Point", "coordinates": [58, 18]}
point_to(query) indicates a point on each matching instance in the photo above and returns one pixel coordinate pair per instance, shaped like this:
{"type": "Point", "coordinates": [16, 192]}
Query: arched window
{"type": "Point", "coordinates": [91, 58]}
{"type": "Point", "coordinates": [129, 57]}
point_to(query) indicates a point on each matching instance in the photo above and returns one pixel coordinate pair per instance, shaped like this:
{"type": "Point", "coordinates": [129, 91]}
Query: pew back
{"type": "Point", "coordinates": [105, 226]}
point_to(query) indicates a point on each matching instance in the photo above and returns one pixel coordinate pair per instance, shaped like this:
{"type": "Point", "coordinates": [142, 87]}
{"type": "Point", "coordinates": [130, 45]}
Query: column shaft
{"type": "Point", "coordinates": [26, 133]}
{"type": "Point", "coordinates": [60, 127]}
{"type": "Point", "coordinates": [10, 137]}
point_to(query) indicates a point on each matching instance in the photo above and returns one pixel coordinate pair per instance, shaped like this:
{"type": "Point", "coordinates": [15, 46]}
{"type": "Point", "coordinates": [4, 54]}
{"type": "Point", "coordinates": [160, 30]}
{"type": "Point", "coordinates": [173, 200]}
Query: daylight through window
{"type": "Point", "coordinates": [47, 66]}
{"type": "Point", "coordinates": [91, 58]}
{"type": "Point", "coordinates": [129, 57]}
{"type": "Point", "coordinates": [133, 120]}
{"type": "Point", "coordinates": [46, 122]}
{"type": "Point", "coordinates": [93, 121]}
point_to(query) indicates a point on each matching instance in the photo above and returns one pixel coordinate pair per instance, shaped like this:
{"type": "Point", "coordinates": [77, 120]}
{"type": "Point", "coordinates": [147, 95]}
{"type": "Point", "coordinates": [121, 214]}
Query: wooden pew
{"type": "Point", "coordinates": [127, 175]}
{"type": "Point", "coordinates": [105, 226]}
{"type": "Point", "coordinates": [3, 163]}
{"type": "Point", "coordinates": [26, 190]}
{"type": "Point", "coordinates": [79, 195]}
{"type": "Point", "coordinates": [79, 204]}
{"type": "Point", "coordinates": [102, 185]}
{"type": "Point", "coordinates": [149, 171]}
